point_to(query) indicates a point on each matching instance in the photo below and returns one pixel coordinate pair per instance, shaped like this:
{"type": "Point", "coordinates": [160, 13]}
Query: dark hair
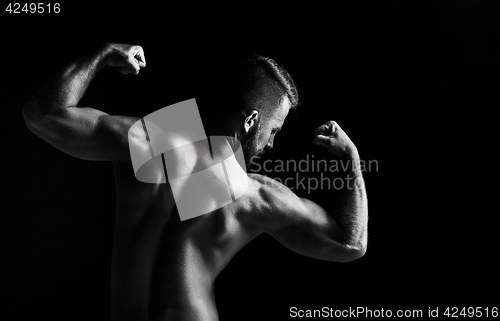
{"type": "Point", "coordinates": [278, 73]}
{"type": "Point", "coordinates": [246, 75]}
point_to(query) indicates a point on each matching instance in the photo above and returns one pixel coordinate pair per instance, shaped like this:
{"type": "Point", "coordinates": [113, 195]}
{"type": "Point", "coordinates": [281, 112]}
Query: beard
{"type": "Point", "coordinates": [249, 146]}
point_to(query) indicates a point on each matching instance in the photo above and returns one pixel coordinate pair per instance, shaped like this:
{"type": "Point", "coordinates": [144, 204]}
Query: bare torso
{"type": "Point", "coordinates": [162, 268]}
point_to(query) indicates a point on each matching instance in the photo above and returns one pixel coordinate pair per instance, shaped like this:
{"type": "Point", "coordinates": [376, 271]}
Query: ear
{"type": "Point", "coordinates": [251, 120]}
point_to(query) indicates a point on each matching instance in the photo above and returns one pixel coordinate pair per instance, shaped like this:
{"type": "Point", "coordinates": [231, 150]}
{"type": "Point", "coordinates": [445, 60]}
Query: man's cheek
{"type": "Point", "coordinates": [262, 141]}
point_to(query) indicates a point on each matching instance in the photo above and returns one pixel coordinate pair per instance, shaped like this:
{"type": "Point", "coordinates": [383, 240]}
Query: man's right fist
{"type": "Point", "coordinates": [129, 59]}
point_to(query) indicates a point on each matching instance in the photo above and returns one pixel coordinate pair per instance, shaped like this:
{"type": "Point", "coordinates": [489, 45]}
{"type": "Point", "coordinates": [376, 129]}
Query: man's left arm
{"type": "Point", "coordinates": [352, 207]}
{"type": "Point", "coordinates": [305, 227]}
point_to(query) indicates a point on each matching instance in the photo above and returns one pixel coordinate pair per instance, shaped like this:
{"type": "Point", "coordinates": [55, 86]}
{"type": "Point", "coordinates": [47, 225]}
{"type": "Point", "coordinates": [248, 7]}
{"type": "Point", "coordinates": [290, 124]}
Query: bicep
{"type": "Point", "coordinates": [307, 229]}
{"type": "Point", "coordinates": [86, 133]}
{"type": "Point", "coordinates": [299, 224]}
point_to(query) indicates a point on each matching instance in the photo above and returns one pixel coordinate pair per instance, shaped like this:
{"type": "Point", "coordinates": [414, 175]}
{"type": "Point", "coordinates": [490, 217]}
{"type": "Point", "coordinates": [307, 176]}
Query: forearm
{"type": "Point", "coordinates": [351, 213]}
{"type": "Point", "coordinates": [68, 86]}
{"type": "Point", "coordinates": [55, 116]}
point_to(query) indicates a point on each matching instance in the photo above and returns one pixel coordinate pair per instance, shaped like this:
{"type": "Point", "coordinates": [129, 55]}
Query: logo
{"type": "Point", "coordinates": [205, 173]}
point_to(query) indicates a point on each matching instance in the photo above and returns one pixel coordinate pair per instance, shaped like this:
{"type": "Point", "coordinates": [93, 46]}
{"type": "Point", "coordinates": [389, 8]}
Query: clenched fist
{"type": "Point", "coordinates": [129, 59]}
{"type": "Point", "coordinates": [333, 138]}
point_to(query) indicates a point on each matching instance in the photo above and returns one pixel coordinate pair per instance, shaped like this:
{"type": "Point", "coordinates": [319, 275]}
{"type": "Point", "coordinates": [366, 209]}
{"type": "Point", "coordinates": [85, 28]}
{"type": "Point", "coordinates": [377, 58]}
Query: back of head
{"type": "Point", "coordinates": [257, 83]}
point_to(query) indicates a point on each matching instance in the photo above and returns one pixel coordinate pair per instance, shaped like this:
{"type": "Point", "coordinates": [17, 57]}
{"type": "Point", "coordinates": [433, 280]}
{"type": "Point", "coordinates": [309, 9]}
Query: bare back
{"type": "Point", "coordinates": [162, 268]}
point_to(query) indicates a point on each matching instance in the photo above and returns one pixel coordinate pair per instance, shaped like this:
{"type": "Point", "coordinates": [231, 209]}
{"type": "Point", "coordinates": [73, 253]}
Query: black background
{"type": "Point", "coordinates": [413, 84]}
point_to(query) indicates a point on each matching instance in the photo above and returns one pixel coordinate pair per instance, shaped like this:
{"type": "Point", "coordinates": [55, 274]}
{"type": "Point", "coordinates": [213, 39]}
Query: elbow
{"type": "Point", "coordinates": [358, 253]}
{"type": "Point", "coordinates": [355, 253]}
{"type": "Point", "coordinates": [352, 253]}
{"type": "Point", "coordinates": [29, 113]}
{"type": "Point", "coordinates": [32, 116]}
{"type": "Point", "coordinates": [344, 255]}
{"type": "Point", "coordinates": [26, 114]}
{"type": "Point", "coordinates": [356, 248]}
{"type": "Point", "coordinates": [28, 117]}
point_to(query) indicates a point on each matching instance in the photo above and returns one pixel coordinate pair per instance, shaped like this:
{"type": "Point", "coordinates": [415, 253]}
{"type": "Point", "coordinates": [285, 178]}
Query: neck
{"type": "Point", "coordinates": [217, 129]}
{"type": "Point", "coordinates": [230, 134]}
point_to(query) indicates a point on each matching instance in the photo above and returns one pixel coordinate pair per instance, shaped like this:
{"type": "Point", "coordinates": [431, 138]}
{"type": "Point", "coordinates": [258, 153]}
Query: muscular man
{"type": "Point", "coordinates": [164, 268]}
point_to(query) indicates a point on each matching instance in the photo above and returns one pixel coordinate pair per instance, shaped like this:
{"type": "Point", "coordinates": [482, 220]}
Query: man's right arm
{"type": "Point", "coordinates": [86, 133]}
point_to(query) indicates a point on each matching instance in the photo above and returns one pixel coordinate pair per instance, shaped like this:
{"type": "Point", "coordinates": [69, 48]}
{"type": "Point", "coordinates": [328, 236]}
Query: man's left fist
{"type": "Point", "coordinates": [333, 138]}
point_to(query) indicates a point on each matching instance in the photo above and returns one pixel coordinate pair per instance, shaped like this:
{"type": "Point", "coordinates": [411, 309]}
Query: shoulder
{"type": "Point", "coordinates": [271, 191]}
{"type": "Point", "coordinates": [268, 204]}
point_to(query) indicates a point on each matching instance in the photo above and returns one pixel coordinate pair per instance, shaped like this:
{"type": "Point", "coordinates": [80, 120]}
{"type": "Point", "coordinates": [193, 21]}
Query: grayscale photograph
{"type": "Point", "coordinates": [254, 160]}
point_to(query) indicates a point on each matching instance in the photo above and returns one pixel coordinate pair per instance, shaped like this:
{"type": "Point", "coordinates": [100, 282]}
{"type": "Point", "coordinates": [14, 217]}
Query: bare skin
{"type": "Point", "coordinates": [164, 268]}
